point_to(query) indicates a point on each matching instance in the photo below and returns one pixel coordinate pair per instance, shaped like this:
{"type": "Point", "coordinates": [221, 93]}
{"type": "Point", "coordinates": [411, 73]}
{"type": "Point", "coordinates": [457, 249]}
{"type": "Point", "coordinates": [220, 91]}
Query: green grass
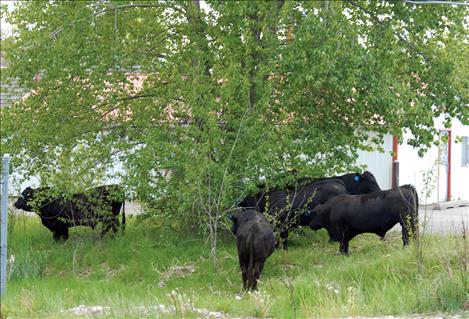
{"type": "Point", "coordinates": [310, 280]}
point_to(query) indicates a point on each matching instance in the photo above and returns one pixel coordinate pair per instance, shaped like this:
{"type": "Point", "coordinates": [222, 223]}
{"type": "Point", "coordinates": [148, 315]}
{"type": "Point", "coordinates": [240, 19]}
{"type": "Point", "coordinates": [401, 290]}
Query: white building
{"type": "Point", "coordinates": [442, 174]}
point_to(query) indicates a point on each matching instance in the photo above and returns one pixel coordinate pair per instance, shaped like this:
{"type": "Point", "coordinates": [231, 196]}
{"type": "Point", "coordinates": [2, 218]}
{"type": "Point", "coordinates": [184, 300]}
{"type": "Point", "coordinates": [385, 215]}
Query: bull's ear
{"type": "Point", "coordinates": [232, 217]}
{"type": "Point", "coordinates": [357, 177]}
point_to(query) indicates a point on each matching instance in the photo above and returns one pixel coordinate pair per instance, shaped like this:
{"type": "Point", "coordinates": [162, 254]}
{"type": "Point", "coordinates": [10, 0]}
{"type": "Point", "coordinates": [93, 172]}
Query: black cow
{"type": "Point", "coordinates": [355, 183]}
{"type": "Point", "coordinates": [255, 242]}
{"type": "Point", "coordinates": [291, 208]}
{"type": "Point", "coordinates": [58, 213]}
{"type": "Point", "coordinates": [347, 216]}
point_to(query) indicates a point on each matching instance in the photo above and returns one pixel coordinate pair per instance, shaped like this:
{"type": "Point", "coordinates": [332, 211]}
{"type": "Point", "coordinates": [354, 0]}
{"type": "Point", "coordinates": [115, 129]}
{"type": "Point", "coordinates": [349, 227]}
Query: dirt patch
{"type": "Point", "coordinates": [175, 271]}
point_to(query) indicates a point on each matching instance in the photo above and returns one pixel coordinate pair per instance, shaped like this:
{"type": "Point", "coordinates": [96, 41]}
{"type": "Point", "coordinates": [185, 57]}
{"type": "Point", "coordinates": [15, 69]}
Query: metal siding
{"type": "Point", "coordinates": [380, 164]}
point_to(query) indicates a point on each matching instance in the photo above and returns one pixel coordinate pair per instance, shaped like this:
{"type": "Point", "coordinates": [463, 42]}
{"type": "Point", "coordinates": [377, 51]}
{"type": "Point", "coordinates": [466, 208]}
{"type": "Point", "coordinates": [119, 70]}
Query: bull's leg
{"type": "Point", "coordinates": [257, 273]}
{"type": "Point", "coordinates": [58, 228]}
{"type": "Point", "coordinates": [284, 237]}
{"type": "Point", "coordinates": [244, 273]}
{"type": "Point", "coordinates": [105, 229]}
{"type": "Point", "coordinates": [344, 235]}
{"type": "Point", "coordinates": [107, 224]}
{"type": "Point", "coordinates": [116, 208]}
{"type": "Point", "coordinates": [115, 224]}
{"type": "Point", "coordinates": [344, 245]}
{"type": "Point", "coordinates": [56, 236]}
{"type": "Point", "coordinates": [250, 276]}
{"type": "Point", "coordinates": [382, 235]}
{"type": "Point", "coordinates": [48, 224]}
{"type": "Point", "coordinates": [61, 231]}
{"type": "Point", "coordinates": [405, 233]}
{"type": "Point", "coordinates": [65, 233]}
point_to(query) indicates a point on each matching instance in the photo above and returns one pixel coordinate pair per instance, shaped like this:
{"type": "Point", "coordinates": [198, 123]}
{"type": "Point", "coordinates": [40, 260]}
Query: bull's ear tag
{"type": "Point", "coordinates": [357, 178]}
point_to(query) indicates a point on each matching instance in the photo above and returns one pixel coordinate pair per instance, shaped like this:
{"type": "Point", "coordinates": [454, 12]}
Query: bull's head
{"type": "Point", "coordinates": [24, 201]}
{"type": "Point", "coordinates": [33, 198]}
{"type": "Point", "coordinates": [234, 219]}
{"type": "Point", "coordinates": [366, 183]}
{"type": "Point", "coordinates": [315, 222]}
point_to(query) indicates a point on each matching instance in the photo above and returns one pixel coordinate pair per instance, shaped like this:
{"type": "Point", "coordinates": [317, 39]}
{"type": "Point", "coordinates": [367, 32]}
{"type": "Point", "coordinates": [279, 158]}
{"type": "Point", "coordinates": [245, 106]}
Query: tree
{"type": "Point", "coordinates": [199, 103]}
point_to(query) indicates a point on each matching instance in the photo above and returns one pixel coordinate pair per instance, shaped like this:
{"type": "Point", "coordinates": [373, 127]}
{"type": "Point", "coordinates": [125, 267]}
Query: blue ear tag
{"type": "Point", "coordinates": [356, 178]}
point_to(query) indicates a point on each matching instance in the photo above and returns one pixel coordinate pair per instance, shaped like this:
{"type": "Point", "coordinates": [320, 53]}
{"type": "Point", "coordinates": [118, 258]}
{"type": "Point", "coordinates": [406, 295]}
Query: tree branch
{"type": "Point", "coordinates": [54, 33]}
{"type": "Point", "coordinates": [377, 21]}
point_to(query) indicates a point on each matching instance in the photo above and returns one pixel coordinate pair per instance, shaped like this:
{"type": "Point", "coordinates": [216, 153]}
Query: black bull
{"type": "Point", "coordinates": [58, 213]}
{"type": "Point", "coordinates": [347, 216]}
{"type": "Point", "coordinates": [255, 242]}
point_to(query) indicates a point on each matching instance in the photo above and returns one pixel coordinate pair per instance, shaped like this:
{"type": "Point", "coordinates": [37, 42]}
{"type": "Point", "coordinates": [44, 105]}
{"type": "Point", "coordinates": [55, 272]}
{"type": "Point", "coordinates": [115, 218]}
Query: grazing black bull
{"type": "Point", "coordinates": [255, 242]}
{"type": "Point", "coordinates": [58, 213]}
{"type": "Point", "coordinates": [347, 216]}
{"type": "Point", "coordinates": [291, 208]}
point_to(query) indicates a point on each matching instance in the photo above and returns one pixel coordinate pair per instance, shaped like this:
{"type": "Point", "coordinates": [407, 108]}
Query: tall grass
{"type": "Point", "coordinates": [153, 264]}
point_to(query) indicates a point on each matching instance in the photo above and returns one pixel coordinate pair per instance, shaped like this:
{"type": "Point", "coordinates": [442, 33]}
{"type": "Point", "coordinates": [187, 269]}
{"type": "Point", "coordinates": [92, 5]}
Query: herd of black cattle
{"type": "Point", "coordinates": [345, 206]}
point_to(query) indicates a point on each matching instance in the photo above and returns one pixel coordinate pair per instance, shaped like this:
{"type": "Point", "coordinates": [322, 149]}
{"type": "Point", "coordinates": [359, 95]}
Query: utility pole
{"type": "Point", "coordinates": [4, 224]}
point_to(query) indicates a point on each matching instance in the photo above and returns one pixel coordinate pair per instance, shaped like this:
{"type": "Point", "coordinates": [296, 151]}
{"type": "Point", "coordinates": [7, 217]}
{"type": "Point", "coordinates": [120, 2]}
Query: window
{"type": "Point", "coordinates": [465, 151]}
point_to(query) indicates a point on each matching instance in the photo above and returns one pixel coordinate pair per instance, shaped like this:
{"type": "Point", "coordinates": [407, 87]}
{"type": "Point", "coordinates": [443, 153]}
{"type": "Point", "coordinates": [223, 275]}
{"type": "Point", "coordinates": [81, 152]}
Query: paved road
{"type": "Point", "coordinates": [445, 221]}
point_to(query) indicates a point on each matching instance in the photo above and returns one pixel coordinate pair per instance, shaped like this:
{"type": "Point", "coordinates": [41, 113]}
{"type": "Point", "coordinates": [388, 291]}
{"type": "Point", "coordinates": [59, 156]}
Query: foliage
{"type": "Point", "coordinates": [197, 104]}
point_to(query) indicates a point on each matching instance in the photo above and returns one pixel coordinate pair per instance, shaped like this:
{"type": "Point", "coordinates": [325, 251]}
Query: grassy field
{"type": "Point", "coordinates": [152, 265]}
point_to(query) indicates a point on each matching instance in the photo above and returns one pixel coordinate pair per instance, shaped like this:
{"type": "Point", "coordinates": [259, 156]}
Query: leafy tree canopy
{"type": "Point", "coordinates": [198, 103]}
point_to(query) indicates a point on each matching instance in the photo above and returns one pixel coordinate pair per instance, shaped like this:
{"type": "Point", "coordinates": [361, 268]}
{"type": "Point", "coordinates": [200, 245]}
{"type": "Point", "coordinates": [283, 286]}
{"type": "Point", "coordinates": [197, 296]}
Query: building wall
{"type": "Point", "coordinates": [413, 169]}
{"type": "Point", "coordinates": [380, 164]}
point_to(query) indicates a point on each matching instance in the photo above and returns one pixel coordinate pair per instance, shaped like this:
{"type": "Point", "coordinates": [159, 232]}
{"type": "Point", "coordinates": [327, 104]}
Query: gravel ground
{"type": "Point", "coordinates": [159, 311]}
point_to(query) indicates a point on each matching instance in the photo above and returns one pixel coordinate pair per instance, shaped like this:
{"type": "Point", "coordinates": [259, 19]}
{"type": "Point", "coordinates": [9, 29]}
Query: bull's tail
{"type": "Point", "coordinates": [415, 213]}
{"type": "Point", "coordinates": [123, 217]}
